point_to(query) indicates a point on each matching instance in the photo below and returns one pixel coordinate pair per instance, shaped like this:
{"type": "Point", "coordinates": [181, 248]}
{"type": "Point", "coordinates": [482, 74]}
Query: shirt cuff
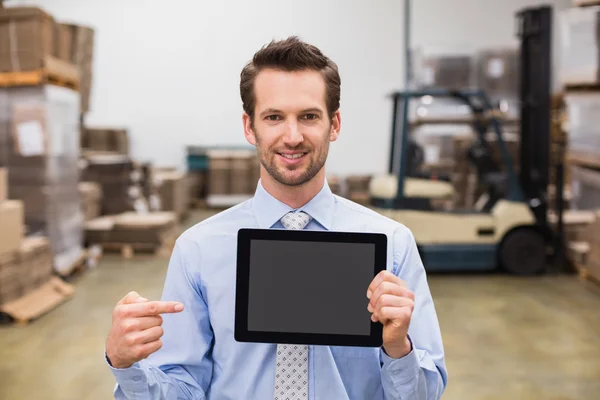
{"type": "Point", "coordinates": [128, 378]}
{"type": "Point", "coordinates": [403, 370]}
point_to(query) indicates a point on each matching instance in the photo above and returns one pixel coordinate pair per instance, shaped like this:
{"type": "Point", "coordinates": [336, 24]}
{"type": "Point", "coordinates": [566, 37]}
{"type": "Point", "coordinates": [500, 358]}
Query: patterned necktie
{"type": "Point", "coordinates": [291, 374]}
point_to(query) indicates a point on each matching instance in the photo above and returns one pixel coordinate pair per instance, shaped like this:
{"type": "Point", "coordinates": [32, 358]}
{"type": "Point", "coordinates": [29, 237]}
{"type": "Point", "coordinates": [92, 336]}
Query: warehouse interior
{"type": "Point", "coordinates": [472, 123]}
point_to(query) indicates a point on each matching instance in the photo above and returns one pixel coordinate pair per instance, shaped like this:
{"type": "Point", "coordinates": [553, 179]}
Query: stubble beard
{"type": "Point", "coordinates": [316, 159]}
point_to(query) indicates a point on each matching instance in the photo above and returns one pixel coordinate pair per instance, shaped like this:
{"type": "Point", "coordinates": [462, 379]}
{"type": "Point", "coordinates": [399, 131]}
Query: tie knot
{"type": "Point", "coordinates": [295, 220]}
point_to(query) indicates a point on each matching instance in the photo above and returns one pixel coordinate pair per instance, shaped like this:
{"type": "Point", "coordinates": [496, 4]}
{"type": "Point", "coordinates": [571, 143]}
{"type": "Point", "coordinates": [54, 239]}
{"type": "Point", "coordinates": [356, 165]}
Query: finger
{"type": "Point", "coordinates": [400, 314]}
{"type": "Point", "coordinates": [149, 348]}
{"type": "Point", "coordinates": [382, 277]}
{"type": "Point", "coordinates": [129, 325]}
{"type": "Point", "coordinates": [388, 300]}
{"type": "Point", "coordinates": [131, 297]}
{"type": "Point", "coordinates": [389, 288]}
{"type": "Point", "coordinates": [151, 334]}
{"type": "Point", "coordinates": [150, 308]}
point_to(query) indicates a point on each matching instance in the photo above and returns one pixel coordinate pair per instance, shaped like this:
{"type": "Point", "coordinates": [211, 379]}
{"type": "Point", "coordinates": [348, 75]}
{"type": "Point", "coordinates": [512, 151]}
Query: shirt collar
{"type": "Point", "coordinates": [268, 210]}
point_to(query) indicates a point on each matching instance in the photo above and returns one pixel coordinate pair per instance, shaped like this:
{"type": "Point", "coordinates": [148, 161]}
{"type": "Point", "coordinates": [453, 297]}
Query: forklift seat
{"type": "Point", "coordinates": [386, 187]}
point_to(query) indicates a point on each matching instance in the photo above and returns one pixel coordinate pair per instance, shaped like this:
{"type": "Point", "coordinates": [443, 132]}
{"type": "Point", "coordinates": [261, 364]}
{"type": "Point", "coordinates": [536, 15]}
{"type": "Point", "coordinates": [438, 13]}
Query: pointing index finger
{"type": "Point", "coordinates": [153, 308]}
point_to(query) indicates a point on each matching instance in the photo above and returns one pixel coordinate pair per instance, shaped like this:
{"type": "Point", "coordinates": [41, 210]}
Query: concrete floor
{"type": "Point", "coordinates": [505, 337]}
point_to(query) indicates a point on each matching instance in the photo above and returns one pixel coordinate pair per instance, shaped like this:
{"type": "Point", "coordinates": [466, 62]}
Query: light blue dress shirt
{"type": "Point", "coordinates": [200, 359]}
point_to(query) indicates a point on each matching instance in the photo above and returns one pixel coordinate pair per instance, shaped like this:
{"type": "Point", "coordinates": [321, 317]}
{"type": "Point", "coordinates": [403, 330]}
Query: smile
{"type": "Point", "coordinates": [292, 156]}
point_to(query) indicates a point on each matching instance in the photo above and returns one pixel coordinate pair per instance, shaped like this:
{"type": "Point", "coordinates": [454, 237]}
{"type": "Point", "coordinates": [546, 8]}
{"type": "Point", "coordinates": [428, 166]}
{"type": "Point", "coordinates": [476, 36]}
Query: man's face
{"type": "Point", "coordinates": [291, 128]}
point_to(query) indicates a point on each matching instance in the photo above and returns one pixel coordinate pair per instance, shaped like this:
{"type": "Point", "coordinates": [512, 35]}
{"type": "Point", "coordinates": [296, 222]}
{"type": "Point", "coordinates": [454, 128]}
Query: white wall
{"type": "Point", "coordinates": [169, 70]}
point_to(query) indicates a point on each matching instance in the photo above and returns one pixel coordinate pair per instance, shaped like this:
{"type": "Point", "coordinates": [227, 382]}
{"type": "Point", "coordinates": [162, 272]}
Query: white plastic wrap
{"type": "Point", "coordinates": [580, 57]}
{"type": "Point", "coordinates": [583, 116]}
{"type": "Point", "coordinates": [41, 127]}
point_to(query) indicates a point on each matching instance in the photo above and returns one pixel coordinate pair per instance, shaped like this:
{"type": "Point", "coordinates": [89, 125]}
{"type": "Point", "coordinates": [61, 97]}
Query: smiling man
{"type": "Point", "coordinates": [291, 98]}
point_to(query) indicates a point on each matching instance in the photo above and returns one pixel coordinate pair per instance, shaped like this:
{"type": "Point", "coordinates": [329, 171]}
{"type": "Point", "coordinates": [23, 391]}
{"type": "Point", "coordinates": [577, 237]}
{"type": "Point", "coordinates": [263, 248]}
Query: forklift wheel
{"type": "Point", "coordinates": [523, 252]}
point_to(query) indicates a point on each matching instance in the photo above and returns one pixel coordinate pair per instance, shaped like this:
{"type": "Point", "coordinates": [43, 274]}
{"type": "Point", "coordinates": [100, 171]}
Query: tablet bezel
{"type": "Point", "coordinates": [245, 237]}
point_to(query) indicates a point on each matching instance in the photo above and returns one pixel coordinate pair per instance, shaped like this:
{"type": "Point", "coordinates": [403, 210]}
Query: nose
{"type": "Point", "coordinates": [292, 137]}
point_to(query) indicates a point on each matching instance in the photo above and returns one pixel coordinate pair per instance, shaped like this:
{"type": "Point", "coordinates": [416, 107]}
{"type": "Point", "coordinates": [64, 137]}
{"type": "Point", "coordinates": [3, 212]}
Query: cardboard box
{"type": "Point", "coordinates": [36, 259]}
{"type": "Point", "coordinates": [3, 184]}
{"type": "Point", "coordinates": [106, 139]}
{"type": "Point", "coordinates": [10, 278]}
{"type": "Point", "coordinates": [173, 191]}
{"type": "Point", "coordinates": [12, 223]}
{"type": "Point", "coordinates": [81, 52]}
{"type": "Point", "coordinates": [26, 38]}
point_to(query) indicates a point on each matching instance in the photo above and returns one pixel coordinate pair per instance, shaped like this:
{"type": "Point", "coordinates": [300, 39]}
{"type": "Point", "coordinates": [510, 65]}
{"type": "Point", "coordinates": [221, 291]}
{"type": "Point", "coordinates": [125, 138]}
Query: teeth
{"type": "Point", "coordinates": [292, 156]}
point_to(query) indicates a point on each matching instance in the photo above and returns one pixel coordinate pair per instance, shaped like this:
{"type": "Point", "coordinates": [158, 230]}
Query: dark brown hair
{"type": "Point", "coordinates": [291, 54]}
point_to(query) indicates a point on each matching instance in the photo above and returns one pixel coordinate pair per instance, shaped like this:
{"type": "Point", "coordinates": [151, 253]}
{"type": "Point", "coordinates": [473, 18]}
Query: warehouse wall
{"type": "Point", "coordinates": [169, 70]}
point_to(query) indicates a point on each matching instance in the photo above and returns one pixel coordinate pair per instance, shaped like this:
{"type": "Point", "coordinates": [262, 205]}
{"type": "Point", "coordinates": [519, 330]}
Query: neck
{"type": "Point", "coordinates": [293, 196]}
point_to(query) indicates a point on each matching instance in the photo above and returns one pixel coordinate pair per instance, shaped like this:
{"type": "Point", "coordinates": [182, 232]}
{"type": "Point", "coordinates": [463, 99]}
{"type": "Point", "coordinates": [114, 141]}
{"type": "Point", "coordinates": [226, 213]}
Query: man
{"type": "Point", "coordinates": [290, 93]}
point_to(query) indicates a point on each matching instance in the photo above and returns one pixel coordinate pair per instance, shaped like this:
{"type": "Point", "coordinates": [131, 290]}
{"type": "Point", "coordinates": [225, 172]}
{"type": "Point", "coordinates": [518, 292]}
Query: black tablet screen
{"type": "Point", "coordinates": [310, 287]}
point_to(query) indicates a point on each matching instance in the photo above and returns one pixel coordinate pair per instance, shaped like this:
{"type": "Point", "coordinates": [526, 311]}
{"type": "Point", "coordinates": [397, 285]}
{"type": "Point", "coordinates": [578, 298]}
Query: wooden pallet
{"type": "Point", "coordinates": [583, 158]}
{"type": "Point", "coordinates": [130, 250]}
{"type": "Point", "coordinates": [586, 3]}
{"type": "Point", "coordinates": [582, 87]}
{"type": "Point", "coordinates": [37, 302]}
{"type": "Point", "coordinates": [54, 71]}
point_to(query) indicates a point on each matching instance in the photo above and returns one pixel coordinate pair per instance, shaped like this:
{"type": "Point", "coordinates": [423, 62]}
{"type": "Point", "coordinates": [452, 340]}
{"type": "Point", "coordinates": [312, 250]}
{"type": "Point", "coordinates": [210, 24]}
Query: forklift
{"type": "Point", "coordinates": [509, 228]}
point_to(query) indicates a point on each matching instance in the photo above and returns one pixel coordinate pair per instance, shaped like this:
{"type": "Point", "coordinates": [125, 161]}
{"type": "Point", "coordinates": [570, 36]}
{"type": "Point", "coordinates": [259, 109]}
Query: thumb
{"type": "Point", "coordinates": [132, 297]}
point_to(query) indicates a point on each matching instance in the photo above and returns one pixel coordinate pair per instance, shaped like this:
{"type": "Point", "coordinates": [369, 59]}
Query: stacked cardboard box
{"type": "Point", "coordinates": [91, 195]}
{"type": "Point", "coordinates": [580, 46]}
{"type": "Point", "coordinates": [114, 173]}
{"type": "Point", "coordinates": [152, 229]}
{"type": "Point", "coordinates": [443, 69]}
{"type": "Point", "coordinates": [232, 172]}
{"type": "Point", "coordinates": [585, 252]}
{"type": "Point", "coordinates": [105, 140]}
{"type": "Point", "coordinates": [173, 191]}
{"type": "Point", "coordinates": [81, 50]}
{"type": "Point", "coordinates": [41, 123]}
{"type": "Point", "coordinates": [25, 263]}
{"type": "Point", "coordinates": [26, 38]}
{"type": "Point", "coordinates": [465, 178]}
{"type": "Point", "coordinates": [357, 187]}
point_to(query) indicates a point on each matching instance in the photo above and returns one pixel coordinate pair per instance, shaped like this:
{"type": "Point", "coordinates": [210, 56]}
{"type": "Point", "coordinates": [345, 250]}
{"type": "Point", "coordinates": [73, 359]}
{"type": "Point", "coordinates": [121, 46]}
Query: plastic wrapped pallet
{"type": "Point", "coordinates": [583, 116]}
{"type": "Point", "coordinates": [580, 50]}
{"type": "Point", "coordinates": [498, 75]}
{"type": "Point", "coordinates": [42, 126]}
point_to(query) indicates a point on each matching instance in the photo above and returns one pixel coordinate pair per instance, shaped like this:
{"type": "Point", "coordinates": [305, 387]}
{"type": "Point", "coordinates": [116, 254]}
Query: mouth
{"type": "Point", "coordinates": [292, 158]}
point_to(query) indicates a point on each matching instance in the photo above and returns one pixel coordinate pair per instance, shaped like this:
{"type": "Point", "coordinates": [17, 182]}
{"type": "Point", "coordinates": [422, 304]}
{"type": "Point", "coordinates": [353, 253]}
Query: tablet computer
{"type": "Point", "coordinates": [307, 287]}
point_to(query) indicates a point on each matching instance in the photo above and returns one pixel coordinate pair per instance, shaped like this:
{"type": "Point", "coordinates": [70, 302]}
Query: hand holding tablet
{"type": "Point", "coordinates": [308, 287]}
{"type": "Point", "coordinates": [392, 304]}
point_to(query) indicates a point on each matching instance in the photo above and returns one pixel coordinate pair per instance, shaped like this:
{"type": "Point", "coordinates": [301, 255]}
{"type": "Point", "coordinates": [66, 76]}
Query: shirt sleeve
{"type": "Point", "coordinates": [175, 372]}
{"type": "Point", "coordinates": [421, 374]}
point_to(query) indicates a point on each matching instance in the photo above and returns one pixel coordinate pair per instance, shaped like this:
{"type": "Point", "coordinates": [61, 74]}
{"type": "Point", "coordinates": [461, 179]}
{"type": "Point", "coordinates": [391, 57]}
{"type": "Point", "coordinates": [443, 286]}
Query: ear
{"type": "Point", "coordinates": [248, 131]}
{"type": "Point", "coordinates": [336, 125]}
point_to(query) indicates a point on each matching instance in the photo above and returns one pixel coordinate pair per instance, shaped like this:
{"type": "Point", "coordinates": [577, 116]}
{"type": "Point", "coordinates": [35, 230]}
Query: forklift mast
{"type": "Point", "coordinates": [535, 32]}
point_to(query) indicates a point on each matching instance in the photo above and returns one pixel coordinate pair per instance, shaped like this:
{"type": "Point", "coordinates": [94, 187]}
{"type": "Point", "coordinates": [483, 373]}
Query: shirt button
{"type": "Point", "coordinates": [137, 378]}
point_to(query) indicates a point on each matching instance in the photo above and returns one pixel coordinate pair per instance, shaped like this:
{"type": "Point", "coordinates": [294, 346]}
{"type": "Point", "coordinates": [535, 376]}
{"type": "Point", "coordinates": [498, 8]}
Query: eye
{"type": "Point", "coordinates": [272, 117]}
{"type": "Point", "coordinates": [311, 117]}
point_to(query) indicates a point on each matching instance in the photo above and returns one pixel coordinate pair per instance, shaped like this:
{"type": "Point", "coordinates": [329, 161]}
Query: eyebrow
{"type": "Point", "coordinates": [276, 111]}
